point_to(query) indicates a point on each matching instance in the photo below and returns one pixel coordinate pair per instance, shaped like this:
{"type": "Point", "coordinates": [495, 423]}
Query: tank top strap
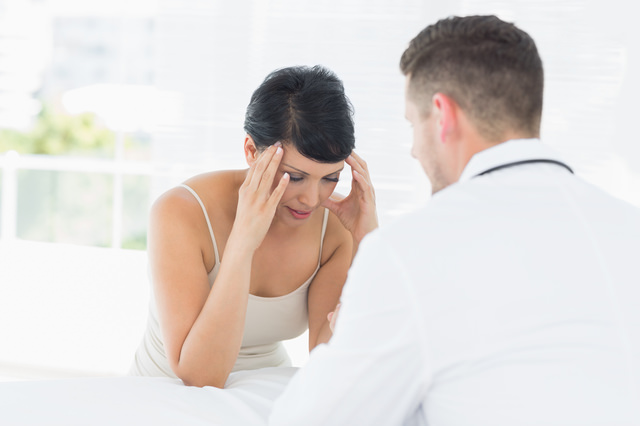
{"type": "Point", "coordinates": [206, 216]}
{"type": "Point", "coordinates": [324, 228]}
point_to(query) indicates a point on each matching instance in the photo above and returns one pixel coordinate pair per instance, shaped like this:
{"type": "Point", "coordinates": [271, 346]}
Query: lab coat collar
{"type": "Point", "coordinates": [508, 152]}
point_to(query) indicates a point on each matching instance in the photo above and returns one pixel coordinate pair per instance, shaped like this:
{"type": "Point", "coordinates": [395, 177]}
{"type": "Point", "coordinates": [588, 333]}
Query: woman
{"type": "Point", "coordinates": [243, 259]}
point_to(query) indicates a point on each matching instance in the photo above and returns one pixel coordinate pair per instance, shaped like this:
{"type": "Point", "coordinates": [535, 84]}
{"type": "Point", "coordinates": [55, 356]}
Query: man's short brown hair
{"type": "Point", "coordinates": [489, 67]}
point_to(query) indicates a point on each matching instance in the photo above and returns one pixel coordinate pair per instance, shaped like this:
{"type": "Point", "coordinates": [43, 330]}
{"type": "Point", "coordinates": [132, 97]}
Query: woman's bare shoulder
{"type": "Point", "coordinates": [218, 191]}
{"type": "Point", "coordinates": [336, 236]}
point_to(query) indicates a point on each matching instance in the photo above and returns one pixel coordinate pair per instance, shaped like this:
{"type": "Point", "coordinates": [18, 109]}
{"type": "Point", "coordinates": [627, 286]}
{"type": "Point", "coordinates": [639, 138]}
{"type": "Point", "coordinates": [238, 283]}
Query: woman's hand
{"type": "Point", "coordinates": [356, 211]}
{"type": "Point", "coordinates": [257, 203]}
{"type": "Point", "coordinates": [332, 317]}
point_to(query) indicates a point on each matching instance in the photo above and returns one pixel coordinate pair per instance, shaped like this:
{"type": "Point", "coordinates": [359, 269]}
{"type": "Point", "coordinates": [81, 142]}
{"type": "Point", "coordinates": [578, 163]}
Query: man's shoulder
{"type": "Point", "coordinates": [444, 207]}
{"type": "Point", "coordinates": [418, 228]}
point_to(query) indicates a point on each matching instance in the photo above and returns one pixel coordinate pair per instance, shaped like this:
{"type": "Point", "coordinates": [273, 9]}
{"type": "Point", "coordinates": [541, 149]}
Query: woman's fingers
{"type": "Point", "coordinates": [332, 205]}
{"type": "Point", "coordinates": [272, 167]}
{"type": "Point", "coordinates": [356, 162]}
{"type": "Point", "coordinates": [261, 176]}
{"type": "Point", "coordinates": [276, 195]}
{"type": "Point", "coordinates": [360, 173]}
{"type": "Point", "coordinates": [249, 180]}
{"type": "Point", "coordinates": [365, 183]}
{"type": "Point", "coordinates": [334, 202]}
{"type": "Point", "coordinates": [257, 171]}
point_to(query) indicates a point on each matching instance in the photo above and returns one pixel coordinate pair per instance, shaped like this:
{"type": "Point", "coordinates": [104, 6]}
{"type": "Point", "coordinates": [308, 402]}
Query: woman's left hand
{"type": "Point", "coordinates": [356, 211]}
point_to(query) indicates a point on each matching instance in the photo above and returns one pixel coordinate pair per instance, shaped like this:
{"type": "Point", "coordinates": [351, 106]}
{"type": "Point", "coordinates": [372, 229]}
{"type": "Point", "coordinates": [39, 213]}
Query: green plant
{"type": "Point", "coordinates": [56, 133]}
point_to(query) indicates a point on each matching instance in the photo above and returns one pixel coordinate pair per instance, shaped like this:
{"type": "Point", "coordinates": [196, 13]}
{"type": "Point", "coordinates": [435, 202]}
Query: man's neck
{"type": "Point", "coordinates": [474, 143]}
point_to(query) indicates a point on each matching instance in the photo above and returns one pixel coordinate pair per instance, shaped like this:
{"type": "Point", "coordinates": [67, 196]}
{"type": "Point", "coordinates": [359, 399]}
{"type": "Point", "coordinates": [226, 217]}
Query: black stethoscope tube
{"type": "Point", "coordinates": [519, 163]}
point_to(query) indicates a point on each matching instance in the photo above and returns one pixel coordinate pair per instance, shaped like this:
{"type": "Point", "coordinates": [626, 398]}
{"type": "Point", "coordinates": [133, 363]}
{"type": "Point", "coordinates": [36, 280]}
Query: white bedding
{"type": "Point", "coordinates": [246, 400]}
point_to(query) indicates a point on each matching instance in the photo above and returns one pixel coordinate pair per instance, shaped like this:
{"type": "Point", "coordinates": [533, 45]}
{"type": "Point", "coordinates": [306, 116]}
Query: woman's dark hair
{"type": "Point", "coordinates": [304, 106]}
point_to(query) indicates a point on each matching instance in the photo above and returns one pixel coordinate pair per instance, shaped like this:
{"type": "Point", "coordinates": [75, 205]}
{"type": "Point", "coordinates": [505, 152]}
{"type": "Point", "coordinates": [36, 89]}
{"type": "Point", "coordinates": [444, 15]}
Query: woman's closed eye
{"type": "Point", "coordinates": [294, 178]}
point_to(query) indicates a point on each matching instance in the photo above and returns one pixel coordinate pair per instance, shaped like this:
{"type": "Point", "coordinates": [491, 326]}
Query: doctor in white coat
{"type": "Point", "coordinates": [513, 297]}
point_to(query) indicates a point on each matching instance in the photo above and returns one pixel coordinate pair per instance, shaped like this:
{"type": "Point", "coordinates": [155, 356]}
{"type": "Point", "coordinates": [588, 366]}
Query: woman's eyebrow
{"type": "Point", "coordinates": [298, 170]}
{"type": "Point", "coordinates": [307, 174]}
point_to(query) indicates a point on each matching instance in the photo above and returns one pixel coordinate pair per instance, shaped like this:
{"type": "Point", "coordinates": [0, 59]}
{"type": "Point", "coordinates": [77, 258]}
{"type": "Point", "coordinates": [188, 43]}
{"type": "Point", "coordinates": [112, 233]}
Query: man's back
{"type": "Point", "coordinates": [526, 282]}
{"type": "Point", "coordinates": [510, 299]}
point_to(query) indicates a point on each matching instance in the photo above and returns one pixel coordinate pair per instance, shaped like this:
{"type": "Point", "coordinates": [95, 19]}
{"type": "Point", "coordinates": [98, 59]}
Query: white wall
{"type": "Point", "coordinates": [216, 53]}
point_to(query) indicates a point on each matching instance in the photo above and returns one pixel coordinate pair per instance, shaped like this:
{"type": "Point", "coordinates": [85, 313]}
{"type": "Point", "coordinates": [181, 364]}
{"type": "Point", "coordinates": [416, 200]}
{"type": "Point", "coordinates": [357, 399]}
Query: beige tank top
{"type": "Point", "coordinates": [269, 321]}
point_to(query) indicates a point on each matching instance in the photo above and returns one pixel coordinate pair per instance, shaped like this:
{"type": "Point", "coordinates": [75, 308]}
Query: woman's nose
{"type": "Point", "coordinates": [309, 196]}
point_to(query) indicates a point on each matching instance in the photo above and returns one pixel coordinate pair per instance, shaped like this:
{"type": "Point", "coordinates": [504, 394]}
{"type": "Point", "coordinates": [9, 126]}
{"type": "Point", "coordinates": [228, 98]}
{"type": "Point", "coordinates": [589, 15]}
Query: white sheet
{"type": "Point", "coordinates": [246, 400]}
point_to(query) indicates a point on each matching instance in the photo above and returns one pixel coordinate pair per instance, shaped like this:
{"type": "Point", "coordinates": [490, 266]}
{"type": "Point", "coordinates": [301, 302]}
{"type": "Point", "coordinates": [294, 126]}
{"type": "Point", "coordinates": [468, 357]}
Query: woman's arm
{"type": "Point", "coordinates": [188, 308]}
{"type": "Point", "coordinates": [357, 214]}
{"type": "Point", "coordinates": [325, 290]}
{"type": "Point", "coordinates": [202, 328]}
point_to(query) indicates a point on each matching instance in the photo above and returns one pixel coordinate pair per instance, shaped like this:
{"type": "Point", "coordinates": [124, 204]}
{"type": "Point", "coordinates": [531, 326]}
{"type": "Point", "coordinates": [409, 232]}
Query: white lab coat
{"type": "Point", "coordinates": [512, 298]}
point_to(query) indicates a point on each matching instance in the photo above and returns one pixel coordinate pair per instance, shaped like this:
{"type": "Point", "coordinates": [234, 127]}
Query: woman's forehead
{"type": "Point", "coordinates": [293, 159]}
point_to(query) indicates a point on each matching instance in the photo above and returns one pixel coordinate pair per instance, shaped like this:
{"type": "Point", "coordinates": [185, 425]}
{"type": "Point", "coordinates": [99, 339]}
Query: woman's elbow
{"type": "Point", "coordinates": [200, 383]}
{"type": "Point", "coordinates": [198, 378]}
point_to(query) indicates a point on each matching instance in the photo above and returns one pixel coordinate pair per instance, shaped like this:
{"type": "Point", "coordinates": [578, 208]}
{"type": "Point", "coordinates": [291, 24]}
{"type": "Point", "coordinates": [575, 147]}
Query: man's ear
{"type": "Point", "coordinates": [250, 150]}
{"type": "Point", "coordinates": [446, 113]}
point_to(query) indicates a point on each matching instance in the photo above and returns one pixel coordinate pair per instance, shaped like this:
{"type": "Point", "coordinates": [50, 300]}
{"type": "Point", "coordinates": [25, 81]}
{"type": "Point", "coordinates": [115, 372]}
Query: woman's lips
{"type": "Point", "coordinates": [299, 214]}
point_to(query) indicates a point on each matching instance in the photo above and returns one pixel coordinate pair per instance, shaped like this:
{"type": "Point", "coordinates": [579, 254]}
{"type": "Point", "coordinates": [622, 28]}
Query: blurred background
{"type": "Point", "coordinates": [106, 104]}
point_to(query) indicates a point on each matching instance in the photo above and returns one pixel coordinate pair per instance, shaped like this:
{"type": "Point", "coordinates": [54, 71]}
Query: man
{"type": "Point", "coordinates": [512, 297]}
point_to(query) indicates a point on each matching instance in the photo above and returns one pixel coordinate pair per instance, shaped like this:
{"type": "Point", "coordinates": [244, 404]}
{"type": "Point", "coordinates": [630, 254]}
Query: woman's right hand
{"type": "Point", "coordinates": [257, 202]}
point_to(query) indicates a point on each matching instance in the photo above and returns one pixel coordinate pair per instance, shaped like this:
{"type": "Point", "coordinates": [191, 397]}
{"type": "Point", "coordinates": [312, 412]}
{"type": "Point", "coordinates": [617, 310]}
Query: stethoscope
{"type": "Point", "coordinates": [519, 163]}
